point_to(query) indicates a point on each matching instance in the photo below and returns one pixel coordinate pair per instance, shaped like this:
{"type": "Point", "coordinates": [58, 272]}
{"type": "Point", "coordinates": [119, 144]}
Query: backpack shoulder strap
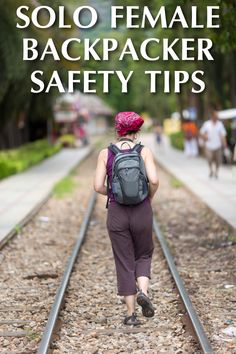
{"type": "Point", "coordinates": [114, 148]}
{"type": "Point", "coordinates": [138, 147]}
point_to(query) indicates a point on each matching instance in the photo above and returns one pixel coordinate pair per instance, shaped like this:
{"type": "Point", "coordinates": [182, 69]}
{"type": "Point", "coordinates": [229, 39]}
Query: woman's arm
{"type": "Point", "coordinates": [100, 174]}
{"type": "Point", "coordinates": [151, 171]}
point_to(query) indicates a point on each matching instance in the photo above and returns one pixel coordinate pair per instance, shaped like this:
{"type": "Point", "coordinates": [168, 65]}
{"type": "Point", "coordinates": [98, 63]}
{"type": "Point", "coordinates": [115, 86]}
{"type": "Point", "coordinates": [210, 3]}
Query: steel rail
{"type": "Point", "coordinates": [54, 313]}
{"type": "Point", "coordinates": [46, 340]}
{"type": "Point", "coordinates": [198, 328]}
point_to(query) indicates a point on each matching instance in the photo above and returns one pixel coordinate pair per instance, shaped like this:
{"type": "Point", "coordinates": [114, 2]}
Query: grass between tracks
{"type": "Point", "coordinates": [64, 187]}
{"type": "Point", "coordinates": [175, 183]}
{"type": "Point", "coordinates": [33, 335]}
{"type": "Point", "coordinates": [68, 184]}
{"type": "Point", "coordinates": [232, 238]}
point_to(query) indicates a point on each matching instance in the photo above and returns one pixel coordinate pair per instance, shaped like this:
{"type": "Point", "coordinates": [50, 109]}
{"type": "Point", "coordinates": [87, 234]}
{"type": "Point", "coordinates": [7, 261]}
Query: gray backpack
{"type": "Point", "coordinates": [129, 179]}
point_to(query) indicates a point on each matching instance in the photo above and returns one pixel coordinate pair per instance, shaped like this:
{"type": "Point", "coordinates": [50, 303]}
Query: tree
{"type": "Point", "coordinates": [19, 109]}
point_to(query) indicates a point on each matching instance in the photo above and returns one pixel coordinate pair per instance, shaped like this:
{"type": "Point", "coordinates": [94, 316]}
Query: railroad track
{"type": "Point", "coordinates": [53, 342]}
{"type": "Point", "coordinates": [32, 264]}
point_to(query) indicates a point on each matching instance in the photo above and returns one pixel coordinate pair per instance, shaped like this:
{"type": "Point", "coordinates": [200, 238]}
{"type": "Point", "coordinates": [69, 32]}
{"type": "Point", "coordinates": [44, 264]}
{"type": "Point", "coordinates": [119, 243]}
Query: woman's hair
{"type": "Point", "coordinates": [128, 133]}
{"type": "Point", "coordinates": [131, 132]}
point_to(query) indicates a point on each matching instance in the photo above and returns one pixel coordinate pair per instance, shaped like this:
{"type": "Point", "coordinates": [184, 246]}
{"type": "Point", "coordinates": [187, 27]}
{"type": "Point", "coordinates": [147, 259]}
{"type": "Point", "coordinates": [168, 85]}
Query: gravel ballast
{"type": "Point", "coordinates": [92, 321]}
{"type": "Point", "coordinates": [33, 262]}
{"type": "Point", "coordinates": [205, 257]}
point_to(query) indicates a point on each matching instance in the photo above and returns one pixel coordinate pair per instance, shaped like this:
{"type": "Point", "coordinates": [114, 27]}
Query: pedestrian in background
{"type": "Point", "coordinates": [214, 135]}
{"type": "Point", "coordinates": [158, 131]}
{"type": "Point", "coordinates": [129, 226]}
{"type": "Point", "coordinates": [190, 131]}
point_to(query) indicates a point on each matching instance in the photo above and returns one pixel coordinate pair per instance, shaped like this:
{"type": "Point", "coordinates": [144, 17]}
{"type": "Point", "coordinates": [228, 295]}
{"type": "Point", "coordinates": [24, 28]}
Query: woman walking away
{"type": "Point", "coordinates": [131, 184]}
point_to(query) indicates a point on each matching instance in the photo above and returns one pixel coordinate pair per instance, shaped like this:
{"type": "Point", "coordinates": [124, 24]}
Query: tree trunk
{"type": "Point", "coordinates": [233, 79]}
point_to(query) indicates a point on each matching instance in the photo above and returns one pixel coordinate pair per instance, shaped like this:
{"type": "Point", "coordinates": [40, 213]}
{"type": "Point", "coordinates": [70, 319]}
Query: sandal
{"type": "Point", "coordinates": [132, 320]}
{"type": "Point", "coordinates": [145, 303]}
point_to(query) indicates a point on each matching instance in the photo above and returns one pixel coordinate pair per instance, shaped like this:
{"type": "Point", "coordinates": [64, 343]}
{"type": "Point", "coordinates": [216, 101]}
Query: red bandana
{"type": "Point", "coordinates": [127, 121]}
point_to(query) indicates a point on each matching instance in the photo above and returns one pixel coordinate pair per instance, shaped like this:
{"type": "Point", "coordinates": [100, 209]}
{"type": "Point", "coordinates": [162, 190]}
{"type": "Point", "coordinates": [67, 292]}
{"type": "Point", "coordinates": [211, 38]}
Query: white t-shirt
{"type": "Point", "coordinates": [215, 132]}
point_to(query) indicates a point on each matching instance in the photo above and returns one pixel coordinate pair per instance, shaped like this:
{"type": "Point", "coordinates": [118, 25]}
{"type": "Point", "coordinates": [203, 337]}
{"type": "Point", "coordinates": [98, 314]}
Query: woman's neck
{"type": "Point", "coordinates": [126, 139]}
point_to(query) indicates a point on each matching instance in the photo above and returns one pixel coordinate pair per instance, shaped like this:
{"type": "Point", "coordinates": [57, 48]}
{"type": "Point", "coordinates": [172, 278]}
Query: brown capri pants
{"type": "Point", "coordinates": [130, 231]}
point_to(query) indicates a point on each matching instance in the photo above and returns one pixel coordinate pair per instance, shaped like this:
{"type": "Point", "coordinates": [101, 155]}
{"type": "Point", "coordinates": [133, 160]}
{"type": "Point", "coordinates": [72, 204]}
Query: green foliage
{"type": "Point", "coordinates": [66, 186]}
{"type": "Point", "coordinates": [177, 140]}
{"type": "Point", "coordinates": [17, 160]}
{"type": "Point", "coordinates": [220, 75]}
{"type": "Point", "coordinates": [15, 76]}
{"type": "Point", "coordinates": [67, 140]}
{"type": "Point", "coordinates": [225, 39]}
